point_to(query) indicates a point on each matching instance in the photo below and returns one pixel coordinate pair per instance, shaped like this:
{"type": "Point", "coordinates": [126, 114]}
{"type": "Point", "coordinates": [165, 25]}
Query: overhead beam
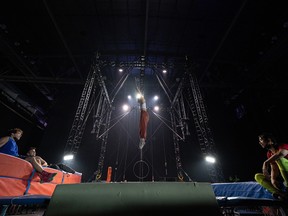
{"type": "Point", "coordinates": [44, 80]}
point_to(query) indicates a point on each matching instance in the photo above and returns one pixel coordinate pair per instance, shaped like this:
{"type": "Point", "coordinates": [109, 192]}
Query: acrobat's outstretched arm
{"type": "Point", "coordinates": [144, 118]}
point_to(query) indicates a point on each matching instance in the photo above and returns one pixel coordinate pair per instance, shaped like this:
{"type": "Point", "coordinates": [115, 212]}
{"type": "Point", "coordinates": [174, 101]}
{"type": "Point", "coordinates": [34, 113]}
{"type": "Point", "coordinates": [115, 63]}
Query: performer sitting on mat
{"type": "Point", "coordinates": [144, 118]}
{"type": "Point", "coordinates": [278, 160]}
{"type": "Point", "coordinates": [38, 163]}
{"type": "Point", "coordinates": [9, 146]}
{"type": "Point", "coordinates": [31, 156]}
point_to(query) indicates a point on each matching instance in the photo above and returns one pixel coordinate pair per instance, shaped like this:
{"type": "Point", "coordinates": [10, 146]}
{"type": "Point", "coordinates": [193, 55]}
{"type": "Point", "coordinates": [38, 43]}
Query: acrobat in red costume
{"type": "Point", "coordinates": [144, 118]}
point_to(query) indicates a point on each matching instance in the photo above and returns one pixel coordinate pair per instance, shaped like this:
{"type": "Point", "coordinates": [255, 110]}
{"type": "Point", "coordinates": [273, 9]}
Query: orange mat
{"type": "Point", "coordinates": [18, 177]}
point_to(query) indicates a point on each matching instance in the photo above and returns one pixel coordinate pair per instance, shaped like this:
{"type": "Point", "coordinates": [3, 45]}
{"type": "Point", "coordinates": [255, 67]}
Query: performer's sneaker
{"type": "Point", "coordinates": [46, 176]}
{"type": "Point", "coordinates": [280, 196]}
{"type": "Point", "coordinates": [141, 143]}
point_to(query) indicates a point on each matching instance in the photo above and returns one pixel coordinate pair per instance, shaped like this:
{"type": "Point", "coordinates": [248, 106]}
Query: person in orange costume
{"type": "Point", "coordinates": [144, 118]}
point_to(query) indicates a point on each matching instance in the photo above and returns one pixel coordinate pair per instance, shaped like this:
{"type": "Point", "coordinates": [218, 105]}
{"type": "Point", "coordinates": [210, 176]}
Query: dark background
{"type": "Point", "coordinates": [238, 49]}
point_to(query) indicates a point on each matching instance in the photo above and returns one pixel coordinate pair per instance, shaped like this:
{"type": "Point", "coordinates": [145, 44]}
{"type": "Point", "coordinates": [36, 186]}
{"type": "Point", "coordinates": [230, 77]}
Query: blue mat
{"type": "Point", "coordinates": [25, 200]}
{"type": "Point", "coordinates": [241, 189]}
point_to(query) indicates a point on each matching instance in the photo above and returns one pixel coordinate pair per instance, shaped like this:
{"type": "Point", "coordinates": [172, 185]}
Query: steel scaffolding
{"type": "Point", "coordinates": [95, 98]}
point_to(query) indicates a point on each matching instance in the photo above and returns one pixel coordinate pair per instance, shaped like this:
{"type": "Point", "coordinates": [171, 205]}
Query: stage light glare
{"type": "Point", "coordinates": [129, 97]}
{"type": "Point", "coordinates": [210, 159]}
{"type": "Point", "coordinates": [164, 71]}
{"type": "Point", "coordinates": [125, 107]}
{"type": "Point", "coordinates": [68, 157]}
{"type": "Point", "coordinates": [156, 108]}
{"type": "Point", "coordinates": [156, 98]}
{"type": "Point", "coordinates": [120, 70]}
{"type": "Point", "coordinates": [138, 95]}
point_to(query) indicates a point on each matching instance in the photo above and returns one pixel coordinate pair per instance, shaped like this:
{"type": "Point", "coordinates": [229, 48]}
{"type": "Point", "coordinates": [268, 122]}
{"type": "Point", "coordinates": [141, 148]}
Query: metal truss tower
{"type": "Point", "coordinates": [178, 121]}
{"type": "Point", "coordinates": [95, 99]}
{"type": "Point", "coordinates": [102, 116]}
{"type": "Point", "coordinates": [188, 88]}
{"type": "Point", "coordinates": [78, 125]}
{"type": "Point", "coordinates": [204, 133]}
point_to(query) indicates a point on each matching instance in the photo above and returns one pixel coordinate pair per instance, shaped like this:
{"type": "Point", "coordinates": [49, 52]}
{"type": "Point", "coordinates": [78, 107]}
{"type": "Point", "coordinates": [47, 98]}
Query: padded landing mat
{"type": "Point", "coordinates": [138, 198]}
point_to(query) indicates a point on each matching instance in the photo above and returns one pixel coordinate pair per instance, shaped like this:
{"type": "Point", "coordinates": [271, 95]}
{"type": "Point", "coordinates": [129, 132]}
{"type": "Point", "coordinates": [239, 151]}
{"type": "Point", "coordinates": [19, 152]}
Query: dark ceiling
{"type": "Point", "coordinates": [46, 44]}
{"type": "Point", "coordinates": [238, 48]}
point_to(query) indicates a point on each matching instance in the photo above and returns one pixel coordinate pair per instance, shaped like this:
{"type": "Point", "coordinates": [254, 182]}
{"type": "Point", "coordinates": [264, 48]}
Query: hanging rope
{"type": "Point", "coordinates": [161, 119]}
{"type": "Point", "coordinates": [121, 117]}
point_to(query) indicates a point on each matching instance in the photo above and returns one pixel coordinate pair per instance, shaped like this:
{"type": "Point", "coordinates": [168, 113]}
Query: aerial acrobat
{"type": "Point", "coordinates": [144, 118]}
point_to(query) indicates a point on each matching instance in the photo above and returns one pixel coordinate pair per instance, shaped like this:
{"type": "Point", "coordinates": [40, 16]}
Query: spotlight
{"type": "Point", "coordinates": [125, 107]}
{"type": "Point", "coordinates": [138, 95]}
{"type": "Point", "coordinates": [68, 157]}
{"type": "Point", "coordinates": [210, 159]}
{"type": "Point", "coordinates": [156, 108]}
